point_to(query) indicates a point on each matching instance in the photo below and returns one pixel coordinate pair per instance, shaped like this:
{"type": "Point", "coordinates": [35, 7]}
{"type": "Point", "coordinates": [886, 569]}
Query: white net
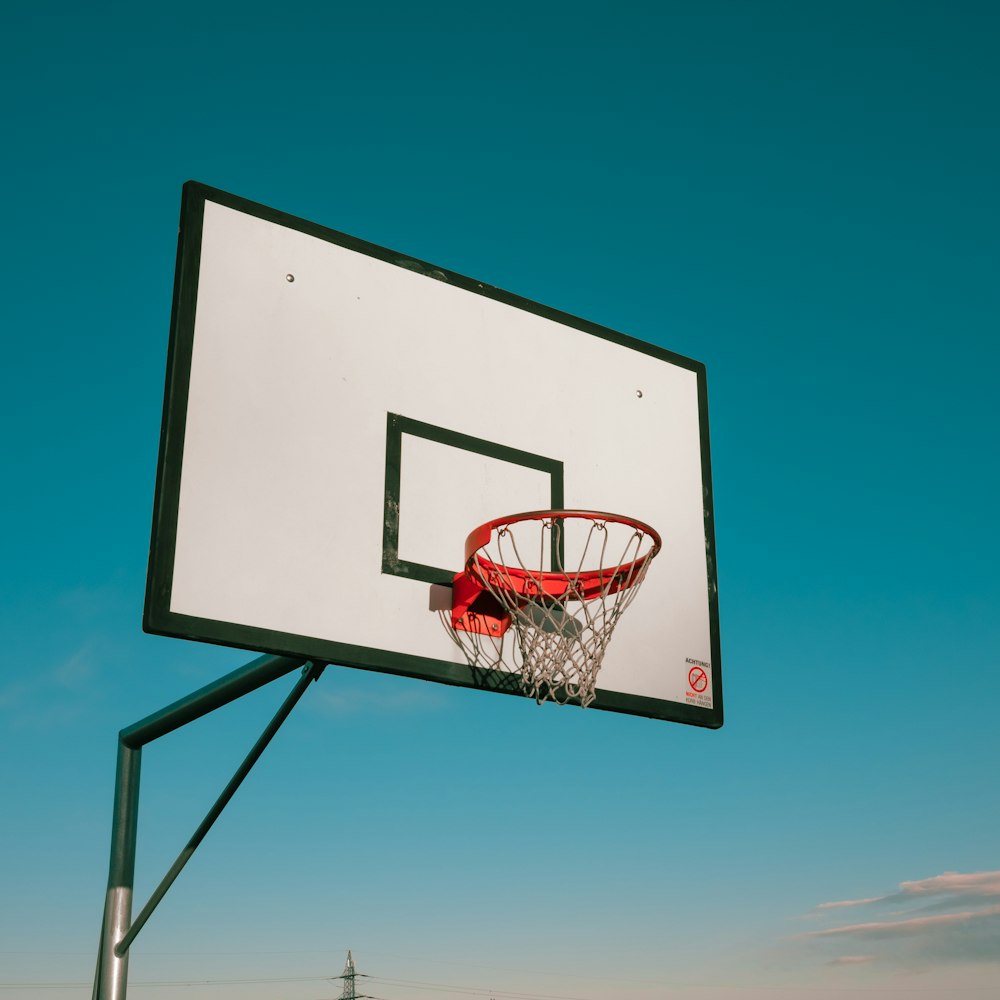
{"type": "Point", "coordinates": [565, 578]}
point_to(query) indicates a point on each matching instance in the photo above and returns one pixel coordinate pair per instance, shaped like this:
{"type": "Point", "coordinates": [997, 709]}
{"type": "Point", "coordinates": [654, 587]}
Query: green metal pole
{"type": "Point", "coordinates": [112, 969]}
{"type": "Point", "coordinates": [111, 977]}
{"type": "Point", "coordinates": [311, 674]}
{"type": "Point", "coordinates": [233, 685]}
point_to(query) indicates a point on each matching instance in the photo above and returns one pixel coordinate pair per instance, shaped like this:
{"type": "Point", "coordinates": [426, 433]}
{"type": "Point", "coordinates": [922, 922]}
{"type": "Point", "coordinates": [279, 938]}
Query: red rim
{"type": "Point", "coordinates": [585, 583]}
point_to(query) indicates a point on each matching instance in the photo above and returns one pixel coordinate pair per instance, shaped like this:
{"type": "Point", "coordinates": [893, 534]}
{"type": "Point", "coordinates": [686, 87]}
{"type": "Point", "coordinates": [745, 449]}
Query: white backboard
{"type": "Point", "coordinates": [339, 417]}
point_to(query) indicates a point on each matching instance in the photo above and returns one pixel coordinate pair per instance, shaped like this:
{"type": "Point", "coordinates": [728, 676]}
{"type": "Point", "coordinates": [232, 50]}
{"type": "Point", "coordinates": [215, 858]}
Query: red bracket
{"type": "Point", "coordinates": [474, 609]}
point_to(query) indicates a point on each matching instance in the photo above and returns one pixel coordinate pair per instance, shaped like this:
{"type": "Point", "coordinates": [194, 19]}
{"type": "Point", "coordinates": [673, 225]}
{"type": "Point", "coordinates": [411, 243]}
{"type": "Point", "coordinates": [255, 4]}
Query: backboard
{"type": "Point", "coordinates": [338, 417]}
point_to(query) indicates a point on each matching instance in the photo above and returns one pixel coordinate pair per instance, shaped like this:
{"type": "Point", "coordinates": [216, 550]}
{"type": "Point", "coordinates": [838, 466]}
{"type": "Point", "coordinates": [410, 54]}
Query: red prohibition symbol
{"type": "Point", "coordinates": [698, 679]}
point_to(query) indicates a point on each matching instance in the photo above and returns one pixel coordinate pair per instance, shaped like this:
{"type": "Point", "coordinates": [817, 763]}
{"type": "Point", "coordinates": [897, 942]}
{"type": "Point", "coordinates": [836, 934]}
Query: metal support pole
{"type": "Point", "coordinates": [111, 978]}
{"type": "Point", "coordinates": [112, 969]}
{"type": "Point", "coordinates": [309, 675]}
{"type": "Point", "coordinates": [234, 685]}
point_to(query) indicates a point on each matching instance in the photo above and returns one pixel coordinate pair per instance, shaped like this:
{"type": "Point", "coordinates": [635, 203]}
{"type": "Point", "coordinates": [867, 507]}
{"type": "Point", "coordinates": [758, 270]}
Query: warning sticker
{"type": "Point", "coordinates": [698, 690]}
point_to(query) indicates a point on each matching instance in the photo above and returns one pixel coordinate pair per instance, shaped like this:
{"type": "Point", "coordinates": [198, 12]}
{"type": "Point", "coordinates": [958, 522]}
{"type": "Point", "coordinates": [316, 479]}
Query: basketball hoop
{"type": "Point", "coordinates": [561, 579]}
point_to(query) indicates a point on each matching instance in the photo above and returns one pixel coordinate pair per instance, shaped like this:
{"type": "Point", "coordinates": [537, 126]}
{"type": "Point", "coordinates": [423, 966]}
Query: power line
{"type": "Point", "coordinates": [350, 976]}
{"type": "Point", "coordinates": [173, 982]}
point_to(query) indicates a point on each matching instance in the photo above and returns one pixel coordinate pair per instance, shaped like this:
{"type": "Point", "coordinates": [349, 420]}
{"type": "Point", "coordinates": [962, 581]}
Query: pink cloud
{"type": "Point", "coordinates": [955, 883]}
{"type": "Point", "coordinates": [951, 918]}
{"type": "Point", "coordinates": [900, 928]}
{"type": "Point", "coordinates": [961, 885]}
{"type": "Point", "coordinates": [849, 902]}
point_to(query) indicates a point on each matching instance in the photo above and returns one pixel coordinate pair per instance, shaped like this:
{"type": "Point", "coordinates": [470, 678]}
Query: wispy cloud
{"type": "Point", "coordinates": [900, 928]}
{"type": "Point", "coordinates": [956, 885]}
{"type": "Point", "coordinates": [849, 902]}
{"type": "Point", "coordinates": [76, 638]}
{"type": "Point", "coordinates": [957, 919]}
{"type": "Point", "coordinates": [53, 695]}
{"type": "Point", "coordinates": [347, 702]}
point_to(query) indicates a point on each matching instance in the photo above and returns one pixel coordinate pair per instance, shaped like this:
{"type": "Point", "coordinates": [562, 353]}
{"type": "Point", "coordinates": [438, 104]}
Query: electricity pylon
{"type": "Point", "coordinates": [349, 974]}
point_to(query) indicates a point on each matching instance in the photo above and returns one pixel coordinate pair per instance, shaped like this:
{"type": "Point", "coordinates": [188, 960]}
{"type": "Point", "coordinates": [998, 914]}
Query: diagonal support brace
{"type": "Point", "coordinates": [117, 934]}
{"type": "Point", "coordinates": [311, 673]}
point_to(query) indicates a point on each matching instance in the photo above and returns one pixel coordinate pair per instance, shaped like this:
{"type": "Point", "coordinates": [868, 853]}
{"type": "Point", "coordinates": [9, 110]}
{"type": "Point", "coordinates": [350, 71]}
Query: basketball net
{"type": "Point", "coordinates": [541, 595]}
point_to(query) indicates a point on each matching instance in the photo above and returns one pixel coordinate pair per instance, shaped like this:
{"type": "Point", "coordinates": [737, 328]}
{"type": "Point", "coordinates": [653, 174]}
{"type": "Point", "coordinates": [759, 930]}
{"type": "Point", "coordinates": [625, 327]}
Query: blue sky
{"type": "Point", "coordinates": [802, 196]}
